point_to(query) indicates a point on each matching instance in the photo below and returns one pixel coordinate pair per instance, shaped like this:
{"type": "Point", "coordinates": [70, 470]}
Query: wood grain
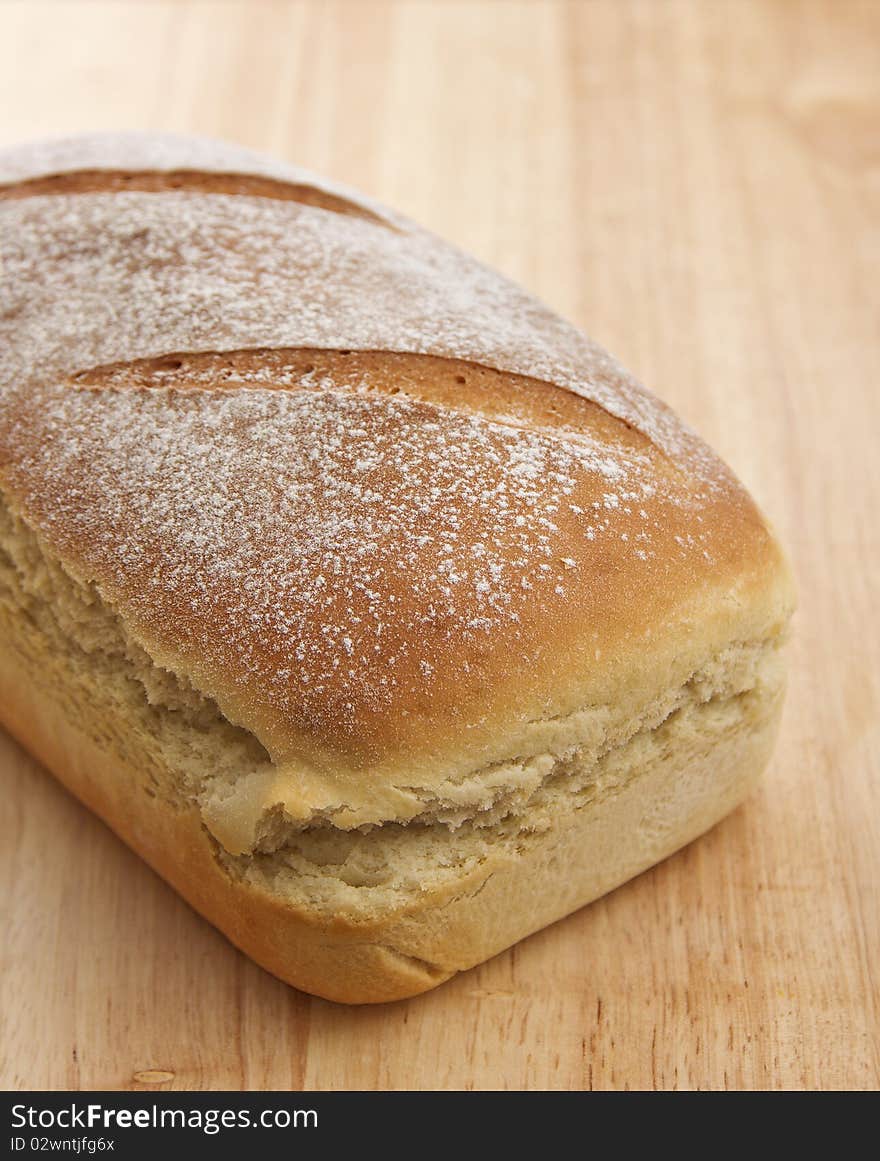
{"type": "Point", "coordinates": [698, 185]}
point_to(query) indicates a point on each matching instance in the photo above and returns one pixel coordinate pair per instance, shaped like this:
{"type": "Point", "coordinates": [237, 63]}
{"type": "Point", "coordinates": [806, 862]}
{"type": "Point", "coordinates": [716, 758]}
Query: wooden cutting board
{"type": "Point", "coordinates": [697, 184]}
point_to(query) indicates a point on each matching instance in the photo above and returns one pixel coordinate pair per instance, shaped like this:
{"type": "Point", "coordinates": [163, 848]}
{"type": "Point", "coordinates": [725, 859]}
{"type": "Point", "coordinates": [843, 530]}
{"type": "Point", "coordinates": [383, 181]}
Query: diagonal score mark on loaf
{"type": "Point", "coordinates": [96, 181]}
{"type": "Point", "coordinates": [460, 385]}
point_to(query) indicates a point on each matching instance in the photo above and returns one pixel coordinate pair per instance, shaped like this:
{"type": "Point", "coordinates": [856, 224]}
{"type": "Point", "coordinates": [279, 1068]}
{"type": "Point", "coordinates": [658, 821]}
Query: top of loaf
{"type": "Point", "coordinates": [383, 507]}
{"type": "Point", "coordinates": [169, 153]}
{"type": "Point", "coordinates": [268, 272]}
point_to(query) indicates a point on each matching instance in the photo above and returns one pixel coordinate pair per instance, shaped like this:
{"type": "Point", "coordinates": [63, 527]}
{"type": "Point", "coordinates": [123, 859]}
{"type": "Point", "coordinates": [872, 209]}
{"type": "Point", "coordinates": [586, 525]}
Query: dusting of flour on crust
{"type": "Point", "coordinates": [100, 278]}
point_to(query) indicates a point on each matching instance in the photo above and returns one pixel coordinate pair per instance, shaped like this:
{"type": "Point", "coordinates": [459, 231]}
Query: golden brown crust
{"type": "Point", "coordinates": [406, 528]}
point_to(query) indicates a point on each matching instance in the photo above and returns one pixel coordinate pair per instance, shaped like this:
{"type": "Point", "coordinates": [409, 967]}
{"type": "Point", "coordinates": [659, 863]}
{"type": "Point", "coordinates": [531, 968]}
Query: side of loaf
{"type": "Point", "coordinates": [377, 608]}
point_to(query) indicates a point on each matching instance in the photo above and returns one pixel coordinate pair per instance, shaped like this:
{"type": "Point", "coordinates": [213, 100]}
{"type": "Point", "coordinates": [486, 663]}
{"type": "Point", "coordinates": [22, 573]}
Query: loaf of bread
{"type": "Point", "coordinates": [380, 610]}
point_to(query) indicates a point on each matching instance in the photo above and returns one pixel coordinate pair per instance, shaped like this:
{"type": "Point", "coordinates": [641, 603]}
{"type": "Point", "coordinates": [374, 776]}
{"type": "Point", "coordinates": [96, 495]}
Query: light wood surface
{"type": "Point", "coordinates": [698, 185]}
